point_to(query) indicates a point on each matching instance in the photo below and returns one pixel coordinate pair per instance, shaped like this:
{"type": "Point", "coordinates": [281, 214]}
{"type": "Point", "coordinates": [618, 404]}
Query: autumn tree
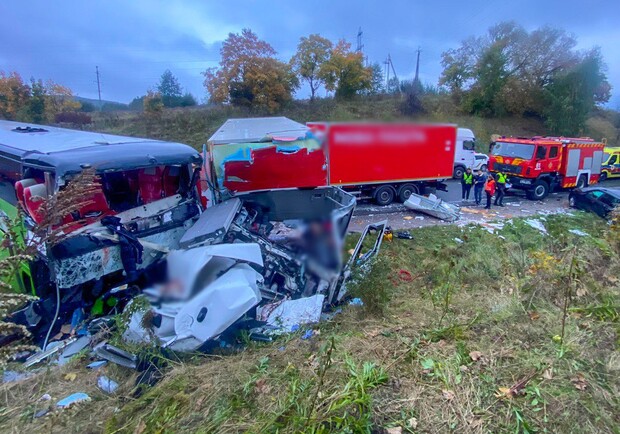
{"type": "Point", "coordinates": [58, 99]}
{"type": "Point", "coordinates": [344, 73]}
{"type": "Point", "coordinates": [249, 74]}
{"type": "Point", "coordinates": [14, 94]}
{"type": "Point", "coordinates": [573, 93]}
{"type": "Point", "coordinates": [312, 53]}
{"type": "Point", "coordinates": [153, 104]}
{"type": "Point", "coordinates": [506, 69]}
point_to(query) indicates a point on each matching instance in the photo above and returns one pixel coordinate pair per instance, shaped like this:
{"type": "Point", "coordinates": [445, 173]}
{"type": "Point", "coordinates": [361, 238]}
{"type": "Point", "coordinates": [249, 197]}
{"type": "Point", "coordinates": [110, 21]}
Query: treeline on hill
{"type": "Point", "coordinates": [506, 72]}
{"type": "Point", "coordinates": [37, 101]}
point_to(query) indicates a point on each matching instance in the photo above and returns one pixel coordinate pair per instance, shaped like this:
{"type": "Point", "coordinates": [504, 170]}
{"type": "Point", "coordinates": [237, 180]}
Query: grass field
{"type": "Point", "coordinates": [461, 331]}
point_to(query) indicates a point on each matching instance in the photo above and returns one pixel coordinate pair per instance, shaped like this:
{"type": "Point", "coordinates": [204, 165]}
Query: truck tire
{"type": "Point", "coordinates": [384, 195]}
{"type": "Point", "coordinates": [458, 172]}
{"type": "Point", "coordinates": [539, 191]}
{"type": "Point", "coordinates": [602, 177]}
{"type": "Point", "coordinates": [406, 190]}
{"type": "Point", "coordinates": [582, 181]}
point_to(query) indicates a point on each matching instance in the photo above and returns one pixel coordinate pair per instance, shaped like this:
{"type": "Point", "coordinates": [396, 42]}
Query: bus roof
{"type": "Point", "coordinates": [65, 151]}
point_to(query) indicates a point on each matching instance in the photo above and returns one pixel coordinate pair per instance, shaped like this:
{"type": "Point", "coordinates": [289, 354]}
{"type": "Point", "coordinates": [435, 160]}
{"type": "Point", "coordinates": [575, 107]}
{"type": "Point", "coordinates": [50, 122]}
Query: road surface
{"type": "Point", "coordinates": [516, 205]}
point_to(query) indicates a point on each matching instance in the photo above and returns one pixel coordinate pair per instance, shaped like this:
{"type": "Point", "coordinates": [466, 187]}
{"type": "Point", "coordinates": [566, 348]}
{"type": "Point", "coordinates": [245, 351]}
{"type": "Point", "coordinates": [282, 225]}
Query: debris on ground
{"type": "Point", "coordinates": [536, 224]}
{"type": "Point", "coordinates": [106, 384]}
{"type": "Point", "coordinates": [433, 206]}
{"type": "Point", "coordinates": [72, 399]}
{"type": "Point", "coordinates": [578, 232]}
{"type": "Point", "coordinates": [404, 235]}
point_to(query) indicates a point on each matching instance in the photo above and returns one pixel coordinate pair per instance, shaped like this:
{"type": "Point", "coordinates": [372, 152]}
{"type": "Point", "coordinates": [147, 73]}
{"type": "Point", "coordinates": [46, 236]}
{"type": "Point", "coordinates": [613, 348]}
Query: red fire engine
{"type": "Point", "coordinates": [538, 165]}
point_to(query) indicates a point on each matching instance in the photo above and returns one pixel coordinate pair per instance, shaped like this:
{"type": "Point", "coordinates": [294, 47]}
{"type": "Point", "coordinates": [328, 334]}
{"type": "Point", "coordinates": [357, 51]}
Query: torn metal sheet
{"type": "Point", "coordinates": [114, 354]}
{"type": "Point", "coordinates": [433, 206]}
{"type": "Point", "coordinates": [212, 225]}
{"type": "Point", "coordinates": [288, 313]}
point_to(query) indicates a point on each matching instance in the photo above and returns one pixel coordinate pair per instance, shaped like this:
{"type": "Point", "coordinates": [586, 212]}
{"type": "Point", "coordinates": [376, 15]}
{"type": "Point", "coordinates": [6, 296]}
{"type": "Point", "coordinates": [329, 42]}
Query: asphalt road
{"type": "Point", "coordinates": [517, 205]}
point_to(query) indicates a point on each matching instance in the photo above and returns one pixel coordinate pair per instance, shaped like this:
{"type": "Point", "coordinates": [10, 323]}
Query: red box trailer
{"type": "Point", "coordinates": [383, 161]}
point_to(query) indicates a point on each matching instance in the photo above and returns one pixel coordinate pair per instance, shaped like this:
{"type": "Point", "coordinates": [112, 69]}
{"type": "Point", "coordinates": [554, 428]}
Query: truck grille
{"type": "Point", "coordinates": [507, 168]}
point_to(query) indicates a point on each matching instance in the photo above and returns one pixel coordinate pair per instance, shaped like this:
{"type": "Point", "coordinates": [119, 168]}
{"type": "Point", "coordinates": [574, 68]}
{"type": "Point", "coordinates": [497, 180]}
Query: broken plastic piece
{"type": "Point", "coordinates": [212, 225]}
{"type": "Point", "coordinates": [307, 335]}
{"type": "Point", "coordinates": [72, 399]}
{"type": "Point", "coordinates": [98, 364]}
{"type": "Point", "coordinates": [356, 302]}
{"type": "Point", "coordinates": [106, 384]}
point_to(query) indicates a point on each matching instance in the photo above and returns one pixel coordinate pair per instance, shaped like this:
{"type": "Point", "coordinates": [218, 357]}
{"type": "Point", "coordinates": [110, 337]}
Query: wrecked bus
{"type": "Point", "coordinates": [144, 229]}
{"type": "Point", "coordinates": [379, 161]}
{"type": "Point", "coordinates": [145, 197]}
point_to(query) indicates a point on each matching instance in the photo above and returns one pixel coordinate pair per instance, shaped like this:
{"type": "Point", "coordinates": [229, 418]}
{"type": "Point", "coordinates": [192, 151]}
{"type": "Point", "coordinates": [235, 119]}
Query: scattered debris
{"type": "Point", "coordinates": [356, 302]}
{"type": "Point", "coordinates": [107, 385]}
{"type": "Point", "coordinates": [307, 334]}
{"type": "Point", "coordinates": [475, 355]}
{"type": "Point", "coordinates": [394, 430]}
{"type": "Point", "coordinates": [13, 376]}
{"type": "Point", "coordinates": [578, 232]}
{"type": "Point", "coordinates": [404, 235]}
{"type": "Point", "coordinates": [52, 348]}
{"type": "Point", "coordinates": [98, 364]}
{"type": "Point", "coordinates": [115, 355]}
{"type": "Point", "coordinates": [40, 413]}
{"type": "Point", "coordinates": [72, 349]}
{"type": "Point", "coordinates": [536, 224]}
{"type": "Point", "coordinates": [579, 382]}
{"type": "Point", "coordinates": [73, 399]}
{"type": "Point", "coordinates": [433, 206]}
{"type": "Point", "coordinates": [458, 240]}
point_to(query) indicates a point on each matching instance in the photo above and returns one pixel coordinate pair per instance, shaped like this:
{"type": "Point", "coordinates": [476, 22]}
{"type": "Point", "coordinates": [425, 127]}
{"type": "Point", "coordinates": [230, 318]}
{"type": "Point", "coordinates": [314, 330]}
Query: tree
{"type": "Point", "coordinates": [169, 89]}
{"type": "Point", "coordinates": [14, 94]}
{"type": "Point", "coordinates": [36, 104]}
{"type": "Point", "coordinates": [506, 70]}
{"type": "Point", "coordinates": [345, 73]}
{"type": "Point", "coordinates": [58, 99]}
{"type": "Point", "coordinates": [573, 94]}
{"type": "Point", "coordinates": [312, 53]}
{"type": "Point", "coordinates": [376, 80]}
{"type": "Point", "coordinates": [249, 74]}
{"type": "Point", "coordinates": [153, 104]}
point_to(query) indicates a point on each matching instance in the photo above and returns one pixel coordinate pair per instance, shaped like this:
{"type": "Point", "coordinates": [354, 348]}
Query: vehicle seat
{"type": "Point", "coordinates": [20, 186]}
{"type": "Point", "coordinates": [97, 206]}
{"type": "Point", "coordinates": [171, 180]}
{"type": "Point", "coordinates": [150, 180]}
{"type": "Point", "coordinates": [34, 197]}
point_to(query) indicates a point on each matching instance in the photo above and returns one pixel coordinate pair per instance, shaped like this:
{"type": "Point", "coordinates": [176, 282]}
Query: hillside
{"type": "Point", "coordinates": [195, 125]}
{"type": "Point", "coordinates": [452, 337]}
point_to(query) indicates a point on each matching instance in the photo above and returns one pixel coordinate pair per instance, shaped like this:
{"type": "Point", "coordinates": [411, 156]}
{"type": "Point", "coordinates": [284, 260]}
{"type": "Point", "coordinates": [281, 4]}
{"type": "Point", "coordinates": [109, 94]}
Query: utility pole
{"type": "Point", "coordinates": [387, 63]}
{"type": "Point", "coordinates": [417, 68]}
{"type": "Point", "coordinates": [98, 85]}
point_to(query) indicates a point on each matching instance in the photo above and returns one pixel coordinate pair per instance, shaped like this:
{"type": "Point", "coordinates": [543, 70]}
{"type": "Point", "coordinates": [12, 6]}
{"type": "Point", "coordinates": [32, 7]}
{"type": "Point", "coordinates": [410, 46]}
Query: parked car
{"type": "Point", "coordinates": [481, 162]}
{"type": "Point", "coordinates": [595, 199]}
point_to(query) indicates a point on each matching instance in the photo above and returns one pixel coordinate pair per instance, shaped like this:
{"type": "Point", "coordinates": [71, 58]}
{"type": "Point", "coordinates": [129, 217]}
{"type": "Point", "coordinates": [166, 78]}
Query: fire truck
{"type": "Point", "coordinates": [538, 165]}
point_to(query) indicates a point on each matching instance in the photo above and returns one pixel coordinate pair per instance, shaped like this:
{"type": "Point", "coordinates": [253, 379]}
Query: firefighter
{"type": "Point", "coordinates": [489, 189]}
{"type": "Point", "coordinates": [466, 183]}
{"type": "Point", "coordinates": [501, 188]}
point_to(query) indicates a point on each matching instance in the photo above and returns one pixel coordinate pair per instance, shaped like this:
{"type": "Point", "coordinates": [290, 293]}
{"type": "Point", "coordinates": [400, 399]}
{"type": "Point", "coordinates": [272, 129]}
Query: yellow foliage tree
{"type": "Point", "coordinates": [14, 95]}
{"type": "Point", "coordinates": [58, 99]}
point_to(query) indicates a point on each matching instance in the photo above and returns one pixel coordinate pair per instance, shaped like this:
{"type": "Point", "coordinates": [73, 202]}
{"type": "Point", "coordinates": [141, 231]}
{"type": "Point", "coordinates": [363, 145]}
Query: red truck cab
{"type": "Point", "coordinates": [538, 165]}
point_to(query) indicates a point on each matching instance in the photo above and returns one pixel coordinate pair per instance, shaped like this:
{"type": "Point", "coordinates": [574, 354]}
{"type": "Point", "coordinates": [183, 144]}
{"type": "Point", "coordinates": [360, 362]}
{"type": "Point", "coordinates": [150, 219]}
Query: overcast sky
{"type": "Point", "coordinates": [134, 41]}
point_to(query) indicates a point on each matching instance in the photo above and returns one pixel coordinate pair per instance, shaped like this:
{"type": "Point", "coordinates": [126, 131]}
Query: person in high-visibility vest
{"type": "Point", "coordinates": [466, 183]}
{"type": "Point", "coordinates": [501, 188]}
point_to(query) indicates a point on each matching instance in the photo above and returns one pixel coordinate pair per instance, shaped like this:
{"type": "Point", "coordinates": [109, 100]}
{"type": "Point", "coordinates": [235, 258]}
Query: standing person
{"type": "Point", "coordinates": [501, 188]}
{"type": "Point", "coordinates": [489, 189]}
{"type": "Point", "coordinates": [466, 183]}
{"type": "Point", "coordinates": [479, 181]}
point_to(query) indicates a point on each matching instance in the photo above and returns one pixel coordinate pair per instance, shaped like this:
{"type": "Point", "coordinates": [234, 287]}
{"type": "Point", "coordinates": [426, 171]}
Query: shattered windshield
{"type": "Point", "coordinates": [515, 150]}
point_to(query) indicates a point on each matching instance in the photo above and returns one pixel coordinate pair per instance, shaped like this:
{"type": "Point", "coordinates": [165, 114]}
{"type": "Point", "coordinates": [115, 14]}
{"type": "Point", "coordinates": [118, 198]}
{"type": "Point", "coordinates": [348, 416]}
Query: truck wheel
{"type": "Point", "coordinates": [602, 177]}
{"type": "Point", "coordinates": [458, 172]}
{"type": "Point", "coordinates": [582, 181]}
{"type": "Point", "coordinates": [406, 190]}
{"type": "Point", "coordinates": [539, 191]}
{"type": "Point", "coordinates": [384, 195]}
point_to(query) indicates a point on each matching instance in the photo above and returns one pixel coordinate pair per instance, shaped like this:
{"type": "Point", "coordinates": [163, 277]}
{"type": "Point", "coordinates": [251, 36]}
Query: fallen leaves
{"type": "Point", "coordinates": [534, 315]}
{"type": "Point", "coordinates": [548, 374]}
{"type": "Point", "coordinates": [475, 355]}
{"type": "Point", "coordinates": [448, 394]}
{"type": "Point", "coordinates": [394, 430]}
{"type": "Point", "coordinates": [579, 381]}
{"type": "Point", "coordinates": [412, 423]}
{"type": "Point", "coordinates": [71, 376]}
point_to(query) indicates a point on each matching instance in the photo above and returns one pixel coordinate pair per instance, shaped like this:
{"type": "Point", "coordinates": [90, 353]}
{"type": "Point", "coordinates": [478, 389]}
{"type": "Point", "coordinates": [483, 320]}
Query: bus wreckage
{"type": "Point", "coordinates": [261, 260]}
